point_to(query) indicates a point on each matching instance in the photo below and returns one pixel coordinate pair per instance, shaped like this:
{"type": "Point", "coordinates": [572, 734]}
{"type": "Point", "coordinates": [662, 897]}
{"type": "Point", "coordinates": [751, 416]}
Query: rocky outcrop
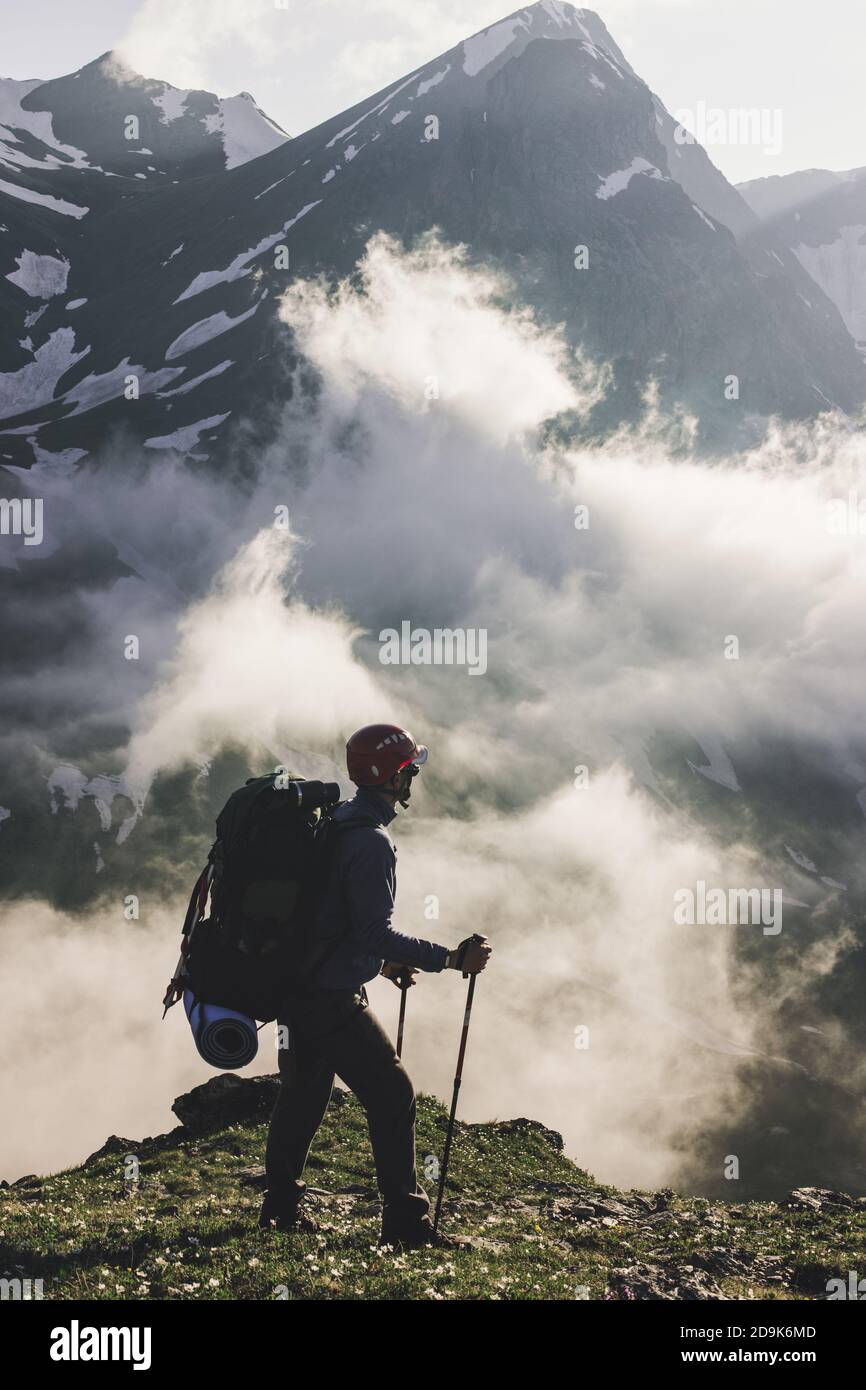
{"type": "Point", "coordinates": [822, 1198]}
{"type": "Point", "coordinates": [226, 1099]}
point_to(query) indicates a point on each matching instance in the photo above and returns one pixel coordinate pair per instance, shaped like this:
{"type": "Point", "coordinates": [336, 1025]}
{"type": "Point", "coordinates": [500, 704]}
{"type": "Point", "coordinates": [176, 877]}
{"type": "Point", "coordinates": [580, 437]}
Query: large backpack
{"type": "Point", "coordinates": [273, 851]}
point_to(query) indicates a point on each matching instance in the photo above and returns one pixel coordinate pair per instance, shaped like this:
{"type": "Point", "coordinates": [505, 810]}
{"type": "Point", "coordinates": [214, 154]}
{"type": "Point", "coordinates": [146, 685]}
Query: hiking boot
{"type": "Point", "coordinates": [287, 1217]}
{"type": "Point", "coordinates": [420, 1236]}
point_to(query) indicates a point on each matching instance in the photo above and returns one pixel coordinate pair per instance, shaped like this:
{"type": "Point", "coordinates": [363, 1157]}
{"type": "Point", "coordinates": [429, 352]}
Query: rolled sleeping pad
{"type": "Point", "coordinates": [314, 794]}
{"type": "Point", "coordinates": [224, 1038]}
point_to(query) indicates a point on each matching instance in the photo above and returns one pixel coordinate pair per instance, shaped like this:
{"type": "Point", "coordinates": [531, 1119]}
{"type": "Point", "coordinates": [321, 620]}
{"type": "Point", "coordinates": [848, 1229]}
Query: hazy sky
{"type": "Point", "coordinates": [305, 60]}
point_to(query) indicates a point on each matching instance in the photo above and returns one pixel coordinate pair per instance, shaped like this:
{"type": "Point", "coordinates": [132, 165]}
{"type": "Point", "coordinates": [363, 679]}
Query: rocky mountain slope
{"type": "Point", "coordinates": [526, 142]}
{"type": "Point", "coordinates": [71, 152]}
{"type": "Point", "coordinates": [821, 216]}
{"type": "Point", "coordinates": [107, 119]}
{"type": "Point", "coordinates": [174, 1217]}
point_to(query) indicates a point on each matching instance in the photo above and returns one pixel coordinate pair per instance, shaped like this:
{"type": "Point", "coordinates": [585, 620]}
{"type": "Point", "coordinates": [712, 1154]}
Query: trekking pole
{"type": "Point", "coordinates": [404, 990]}
{"type": "Point", "coordinates": [457, 1079]}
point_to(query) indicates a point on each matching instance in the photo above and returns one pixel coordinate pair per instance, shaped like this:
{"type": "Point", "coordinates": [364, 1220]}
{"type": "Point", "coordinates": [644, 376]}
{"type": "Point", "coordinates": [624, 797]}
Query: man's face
{"type": "Point", "coordinates": [406, 778]}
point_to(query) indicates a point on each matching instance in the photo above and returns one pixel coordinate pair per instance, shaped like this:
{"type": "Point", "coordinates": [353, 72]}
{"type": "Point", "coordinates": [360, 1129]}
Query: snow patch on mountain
{"type": "Point", "coordinates": [240, 266]}
{"type": "Point", "coordinates": [719, 767]}
{"type": "Point", "coordinates": [197, 381]}
{"type": "Point", "coordinates": [482, 49]}
{"type": "Point", "coordinates": [548, 19]}
{"type": "Point", "coordinates": [205, 330]}
{"type": "Point", "coordinates": [373, 111]}
{"type": "Point", "coordinates": [52, 475]}
{"type": "Point", "coordinates": [68, 780]}
{"type": "Point", "coordinates": [431, 82]}
{"type": "Point", "coordinates": [703, 217]}
{"type": "Point", "coordinates": [802, 860]}
{"type": "Point", "coordinates": [187, 437]}
{"type": "Point", "coordinates": [99, 388]}
{"type": "Point", "coordinates": [599, 56]}
{"type": "Point", "coordinates": [36, 123]}
{"type": "Point", "coordinates": [43, 200]}
{"type": "Point", "coordinates": [245, 130]}
{"type": "Point", "coordinates": [171, 103]}
{"type": "Point", "coordinates": [840, 269]}
{"type": "Point", "coordinates": [35, 384]}
{"type": "Point", "coordinates": [235, 270]}
{"type": "Point", "coordinates": [561, 13]}
{"type": "Point", "coordinates": [68, 784]}
{"type": "Point", "coordinates": [52, 469]}
{"type": "Point", "coordinates": [272, 186]}
{"type": "Point", "coordinates": [620, 179]}
{"type": "Point", "coordinates": [40, 277]}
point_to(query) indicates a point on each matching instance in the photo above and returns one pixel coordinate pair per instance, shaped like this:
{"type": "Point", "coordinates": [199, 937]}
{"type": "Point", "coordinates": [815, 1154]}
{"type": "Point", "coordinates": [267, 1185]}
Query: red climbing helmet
{"type": "Point", "coordinates": [377, 751]}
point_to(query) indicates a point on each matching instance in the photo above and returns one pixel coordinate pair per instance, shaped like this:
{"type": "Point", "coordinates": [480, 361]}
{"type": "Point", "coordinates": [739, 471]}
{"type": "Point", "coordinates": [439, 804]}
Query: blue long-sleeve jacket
{"type": "Point", "coordinates": [358, 902]}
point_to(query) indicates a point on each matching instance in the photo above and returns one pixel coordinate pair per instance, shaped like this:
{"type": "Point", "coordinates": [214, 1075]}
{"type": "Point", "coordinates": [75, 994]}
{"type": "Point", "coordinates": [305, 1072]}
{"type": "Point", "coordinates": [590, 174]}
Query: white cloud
{"type": "Point", "coordinates": [427, 333]}
{"type": "Point", "coordinates": [454, 513]}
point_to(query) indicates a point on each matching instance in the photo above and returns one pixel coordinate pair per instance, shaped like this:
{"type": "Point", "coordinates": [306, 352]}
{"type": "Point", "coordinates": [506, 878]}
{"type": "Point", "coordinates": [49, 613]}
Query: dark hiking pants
{"type": "Point", "coordinates": [334, 1033]}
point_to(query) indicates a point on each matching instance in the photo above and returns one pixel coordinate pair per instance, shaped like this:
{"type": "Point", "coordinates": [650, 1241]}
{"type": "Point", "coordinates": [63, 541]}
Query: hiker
{"type": "Point", "coordinates": [331, 1029]}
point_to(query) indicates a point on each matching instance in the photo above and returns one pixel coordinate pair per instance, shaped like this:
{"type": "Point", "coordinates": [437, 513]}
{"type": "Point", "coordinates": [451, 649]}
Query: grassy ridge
{"type": "Point", "coordinates": [185, 1227]}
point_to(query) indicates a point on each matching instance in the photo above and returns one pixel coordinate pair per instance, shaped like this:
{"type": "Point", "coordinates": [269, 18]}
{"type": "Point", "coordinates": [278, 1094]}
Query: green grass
{"type": "Point", "coordinates": [187, 1228]}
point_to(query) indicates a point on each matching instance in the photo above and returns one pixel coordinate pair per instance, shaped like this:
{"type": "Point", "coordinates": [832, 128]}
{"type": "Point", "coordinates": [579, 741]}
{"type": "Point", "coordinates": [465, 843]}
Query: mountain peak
{"type": "Point", "coordinates": [546, 19]}
{"type": "Point", "coordinates": [121, 118]}
{"type": "Point", "coordinates": [548, 133]}
{"type": "Point", "coordinates": [114, 66]}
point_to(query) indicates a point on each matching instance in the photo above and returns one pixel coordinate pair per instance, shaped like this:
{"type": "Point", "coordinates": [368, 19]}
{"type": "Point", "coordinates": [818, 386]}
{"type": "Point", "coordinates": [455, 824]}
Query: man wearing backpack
{"type": "Point", "coordinates": [331, 1029]}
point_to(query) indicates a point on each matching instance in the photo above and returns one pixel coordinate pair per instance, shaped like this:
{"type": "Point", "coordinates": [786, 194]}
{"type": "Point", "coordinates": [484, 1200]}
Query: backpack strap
{"type": "Point", "coordinates": [353, 823]}
{"type": "Point", "coordinates": [194, 913]}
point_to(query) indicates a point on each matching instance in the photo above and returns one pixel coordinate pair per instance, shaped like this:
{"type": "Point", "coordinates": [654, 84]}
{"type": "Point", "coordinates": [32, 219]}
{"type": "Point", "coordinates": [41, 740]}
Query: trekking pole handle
{"type": "Point", "coordinates": [478, 941]}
